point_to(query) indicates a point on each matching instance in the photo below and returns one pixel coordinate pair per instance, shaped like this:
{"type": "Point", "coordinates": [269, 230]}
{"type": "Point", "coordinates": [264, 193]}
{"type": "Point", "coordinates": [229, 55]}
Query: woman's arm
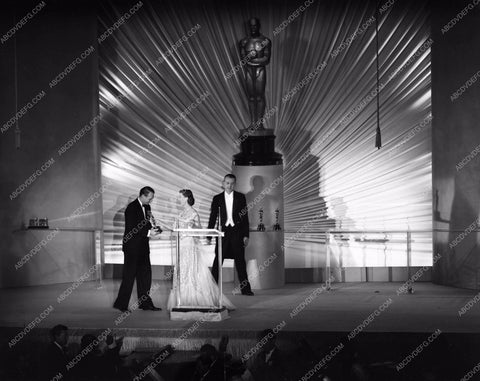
{"type": "Point", "coordinates": [199, 224]}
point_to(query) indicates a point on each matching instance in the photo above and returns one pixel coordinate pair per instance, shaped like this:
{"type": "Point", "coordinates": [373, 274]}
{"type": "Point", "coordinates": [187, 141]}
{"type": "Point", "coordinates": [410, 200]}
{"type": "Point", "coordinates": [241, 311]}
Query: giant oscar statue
{"type": "Point", "coordinates": [259, 169]}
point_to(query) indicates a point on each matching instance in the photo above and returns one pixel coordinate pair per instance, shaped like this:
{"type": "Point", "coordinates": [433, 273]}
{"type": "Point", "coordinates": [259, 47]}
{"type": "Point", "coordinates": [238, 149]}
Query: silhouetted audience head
{"type": "Point", "coordinates": [87, 340]}
{"type": "Point", "coordinates": [208, 353]}
{"type": "Point", "coordinates": [59, 334]}
{"type": "Point", "coordinates": [270, 339]}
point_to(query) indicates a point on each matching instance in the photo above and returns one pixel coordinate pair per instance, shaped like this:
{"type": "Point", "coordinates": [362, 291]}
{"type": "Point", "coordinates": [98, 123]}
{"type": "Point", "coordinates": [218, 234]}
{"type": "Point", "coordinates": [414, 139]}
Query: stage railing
{"type": "Point", "coordinates": [97, 249]}
{"type": "Point", "coordinates": [179, 233]}
{"type": "Point", "coordinates": [393, 242]}
{"type": "Point", "coordinates": [370, 237]}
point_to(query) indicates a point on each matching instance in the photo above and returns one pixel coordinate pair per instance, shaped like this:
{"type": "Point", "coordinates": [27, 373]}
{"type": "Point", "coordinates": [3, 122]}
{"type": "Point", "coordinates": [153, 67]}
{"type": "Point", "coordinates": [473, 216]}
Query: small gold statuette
{"type": "Point", "coordinates": [277, 226]}
{"type": "Point", "coordinates": [261, 226]}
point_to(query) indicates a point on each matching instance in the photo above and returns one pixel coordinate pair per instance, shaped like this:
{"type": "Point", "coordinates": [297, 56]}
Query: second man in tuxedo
{"type": "Point", "coordinates": [232, 206]}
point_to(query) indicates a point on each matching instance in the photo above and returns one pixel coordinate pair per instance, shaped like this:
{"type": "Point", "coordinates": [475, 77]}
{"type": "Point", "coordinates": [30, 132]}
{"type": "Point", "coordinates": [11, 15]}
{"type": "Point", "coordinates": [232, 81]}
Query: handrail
{"type": "Point", "coordinates": [379, 231]}
{"type": "Point", "coordinates": [296, 231]}
{"type": "Point", "coordinates": [408, 239]}
{"type": "Point", "coordinates": [206, 232]}
{"type": "Point", "coordinates": [50, 228]}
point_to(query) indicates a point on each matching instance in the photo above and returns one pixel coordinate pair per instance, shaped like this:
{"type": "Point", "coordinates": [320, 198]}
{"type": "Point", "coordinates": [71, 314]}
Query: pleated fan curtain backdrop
{"type": "Point", "coordinates": [172, 103]}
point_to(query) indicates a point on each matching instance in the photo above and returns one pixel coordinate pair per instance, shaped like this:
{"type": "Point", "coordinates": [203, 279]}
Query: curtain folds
{"type": "Point", "coordinates": [173, 103]}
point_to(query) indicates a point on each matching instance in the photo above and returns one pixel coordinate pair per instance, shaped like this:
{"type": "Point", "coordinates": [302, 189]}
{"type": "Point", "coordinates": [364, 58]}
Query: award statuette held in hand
{"type": "Point", "coordinates": [156, 229]}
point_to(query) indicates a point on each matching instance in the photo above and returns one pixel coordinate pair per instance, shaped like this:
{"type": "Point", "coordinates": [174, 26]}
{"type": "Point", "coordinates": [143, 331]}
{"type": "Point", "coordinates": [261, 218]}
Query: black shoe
{"type": "Point", "coordinates": [122, 309]}
{"type": "Point", "coordinates": [150, 308]}
{"type": "Point", "coordinates": [249, 293]}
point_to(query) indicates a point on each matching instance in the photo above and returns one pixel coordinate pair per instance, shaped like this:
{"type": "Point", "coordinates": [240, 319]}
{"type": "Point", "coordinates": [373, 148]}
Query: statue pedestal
{"type": "Point", "coordinates": [263, 189]}
{"type": "Point", "coordinates": [258, 148]}
{"type": "Point", "coordinates": [265, 260]}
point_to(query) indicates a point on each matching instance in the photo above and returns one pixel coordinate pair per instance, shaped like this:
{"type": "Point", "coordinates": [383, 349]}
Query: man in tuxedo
{"type": "Point", "coordinates": [136, 251]}
{"type": "Point", "coordinates": [234, 223]}
{"type": "Point", "coordinates": [55, 358]}
{"type": "Point", "coordinates": [270, 363]}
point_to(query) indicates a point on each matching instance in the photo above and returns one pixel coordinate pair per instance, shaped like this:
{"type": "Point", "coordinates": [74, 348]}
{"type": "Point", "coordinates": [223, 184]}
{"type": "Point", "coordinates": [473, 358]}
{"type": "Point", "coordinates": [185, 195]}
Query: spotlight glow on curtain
{"type": "Point", "coordinates": [334, 175]}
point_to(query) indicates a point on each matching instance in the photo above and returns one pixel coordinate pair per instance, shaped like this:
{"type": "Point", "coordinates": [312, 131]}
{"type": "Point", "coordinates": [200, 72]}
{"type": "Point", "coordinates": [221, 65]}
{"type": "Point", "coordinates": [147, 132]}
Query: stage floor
{"type": "Point", "coordinates": [327, 319]}
{"type": "Point", "coordinates": [342, 309]}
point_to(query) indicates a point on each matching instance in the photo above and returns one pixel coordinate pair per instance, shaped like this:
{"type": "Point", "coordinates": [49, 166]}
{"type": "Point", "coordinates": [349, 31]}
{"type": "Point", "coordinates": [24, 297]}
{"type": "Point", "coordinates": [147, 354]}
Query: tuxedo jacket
{"type": "Point", "coordinates": [136, 225]}
{"type": "Point", "coordinates": [275, 369]}
{"type": "Point", "coordinates": [54, 361]}
{"type": "Point", "coordinates": [239, 212]}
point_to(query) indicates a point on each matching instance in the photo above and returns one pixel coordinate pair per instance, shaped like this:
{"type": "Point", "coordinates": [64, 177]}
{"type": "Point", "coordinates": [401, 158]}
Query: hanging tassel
{"type": "Point", "coordinates": [18, 141]}
{"type": "Point", "coordinates": [378, 137]}
{"type": "Point", "coordinates": [18, 133]}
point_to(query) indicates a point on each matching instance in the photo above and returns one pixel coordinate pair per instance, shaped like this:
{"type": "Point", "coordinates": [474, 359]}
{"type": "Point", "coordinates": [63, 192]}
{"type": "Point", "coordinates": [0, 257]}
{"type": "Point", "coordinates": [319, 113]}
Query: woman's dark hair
{"type": "Point", "coordinates": [188, 193]}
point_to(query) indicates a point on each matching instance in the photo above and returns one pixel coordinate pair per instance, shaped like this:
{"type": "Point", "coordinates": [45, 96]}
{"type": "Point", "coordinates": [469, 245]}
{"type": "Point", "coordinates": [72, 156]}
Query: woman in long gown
{"type": "Point", "coordinates": [195, 283]}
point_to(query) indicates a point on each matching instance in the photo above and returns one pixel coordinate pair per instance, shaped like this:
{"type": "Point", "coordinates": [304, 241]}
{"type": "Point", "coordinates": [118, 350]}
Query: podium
{"type": "Point", "coordinates": [203, 313]}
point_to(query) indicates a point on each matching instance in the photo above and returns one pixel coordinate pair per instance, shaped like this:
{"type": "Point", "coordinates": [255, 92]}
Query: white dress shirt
{"type": "Point", "coordinates": [229, 205]}
{"type": "Point", "coordinates": [144, 215]}
{"type": "Point", "coordinates": [269, 355]}
{"type": "Point", "coordinates": [60, 347]}
{"type": "Point", "coordinates": [143, 209]}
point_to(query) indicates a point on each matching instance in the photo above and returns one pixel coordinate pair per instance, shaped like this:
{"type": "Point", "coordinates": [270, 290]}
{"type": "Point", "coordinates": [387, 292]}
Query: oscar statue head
{"type": "Point", "coordinates": [254, 26]}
